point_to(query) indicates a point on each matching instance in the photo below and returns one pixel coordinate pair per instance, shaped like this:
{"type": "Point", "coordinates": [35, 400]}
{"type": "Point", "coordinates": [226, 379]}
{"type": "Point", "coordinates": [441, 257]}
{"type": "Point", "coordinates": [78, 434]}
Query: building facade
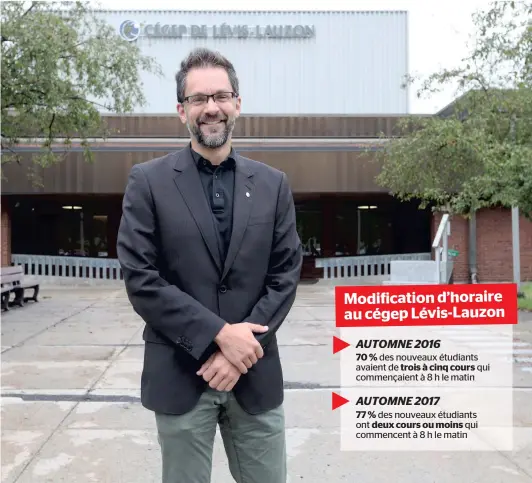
{"type": "Point", "coordinates": [318, 89]}
{"type": "Point", "coordinates": [289, 63]}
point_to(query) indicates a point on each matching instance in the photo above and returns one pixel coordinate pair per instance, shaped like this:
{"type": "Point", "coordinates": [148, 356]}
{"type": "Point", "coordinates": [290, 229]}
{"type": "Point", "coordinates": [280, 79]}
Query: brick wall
{"type": "Point", "coordinates": [494, 246]}
{"type": "Point", "coordinates": [525, 233]}
{"type": "Point", "coordinates": [495, 249]}
{"type": "Point", "coordinates": [6, 237]}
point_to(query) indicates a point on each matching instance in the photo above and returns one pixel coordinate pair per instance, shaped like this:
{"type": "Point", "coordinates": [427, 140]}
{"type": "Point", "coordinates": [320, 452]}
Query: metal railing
{"type": "Point", "coordinates": [441, 248]}
{"type": "Point", "coordinates": [83, 268]}
{"type": "Point", "coordinates": [363, 266]}
{"type": "Point", "coordinates": [72, 267]}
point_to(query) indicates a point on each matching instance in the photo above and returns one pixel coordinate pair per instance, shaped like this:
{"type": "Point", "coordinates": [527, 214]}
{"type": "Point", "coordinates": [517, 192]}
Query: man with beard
{"type": "Point", "coordinates": [211, 261]}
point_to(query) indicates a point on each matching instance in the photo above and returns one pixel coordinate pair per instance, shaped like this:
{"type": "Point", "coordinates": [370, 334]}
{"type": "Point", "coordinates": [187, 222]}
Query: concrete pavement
{"type": "Point", "coordinates": [70, 400]}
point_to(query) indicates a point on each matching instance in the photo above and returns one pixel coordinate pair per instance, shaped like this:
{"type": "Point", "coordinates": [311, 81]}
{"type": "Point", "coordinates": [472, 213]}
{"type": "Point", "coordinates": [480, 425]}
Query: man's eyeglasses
{"type": "Point", "coordinates": [200, 99]}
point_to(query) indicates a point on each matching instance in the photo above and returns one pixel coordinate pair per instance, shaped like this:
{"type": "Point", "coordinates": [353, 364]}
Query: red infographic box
{"type": "Point", "coordinates": [413, 305]}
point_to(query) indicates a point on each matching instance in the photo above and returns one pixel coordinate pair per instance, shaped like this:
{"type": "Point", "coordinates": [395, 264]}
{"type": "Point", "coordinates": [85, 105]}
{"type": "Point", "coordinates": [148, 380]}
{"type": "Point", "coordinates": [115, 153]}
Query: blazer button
{"type": "Point", "coordinates": [223, 289]}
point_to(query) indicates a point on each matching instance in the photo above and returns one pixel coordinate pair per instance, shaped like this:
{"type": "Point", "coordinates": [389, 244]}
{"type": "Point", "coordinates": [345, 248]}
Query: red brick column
{"type": "Point", "coordinates": [525, 236]}
{"type": "Point", "coordinates": [6, 236]}
{"type": "Point", "coordinates": [494, 246]}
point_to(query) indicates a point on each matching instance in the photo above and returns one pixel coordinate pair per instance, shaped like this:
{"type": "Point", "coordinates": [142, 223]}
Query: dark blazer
{"type": "Point", "coordinates": [177, 283]}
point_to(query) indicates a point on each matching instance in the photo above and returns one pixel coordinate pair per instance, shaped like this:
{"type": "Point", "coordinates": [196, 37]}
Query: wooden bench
{"type": "Point", "coordinates": [15, 283]}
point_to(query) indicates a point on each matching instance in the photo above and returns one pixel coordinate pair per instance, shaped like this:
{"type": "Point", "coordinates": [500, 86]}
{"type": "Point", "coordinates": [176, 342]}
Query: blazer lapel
{"type": "Point", "coordinates": [242, 203]}
{"type": "Point", "coordinates": [187, 180]}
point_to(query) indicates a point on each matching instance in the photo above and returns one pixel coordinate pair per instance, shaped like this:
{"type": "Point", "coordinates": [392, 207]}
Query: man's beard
{"type": "Point", "coordinates": [211, 140]}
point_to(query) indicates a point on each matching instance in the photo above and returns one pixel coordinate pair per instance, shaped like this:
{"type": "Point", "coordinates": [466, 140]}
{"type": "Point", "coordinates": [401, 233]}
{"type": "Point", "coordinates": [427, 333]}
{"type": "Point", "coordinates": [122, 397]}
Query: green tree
{"type": "Point", "coordinates": [478, 152]}
{"type": "Point", "coordinates": [62, 66]}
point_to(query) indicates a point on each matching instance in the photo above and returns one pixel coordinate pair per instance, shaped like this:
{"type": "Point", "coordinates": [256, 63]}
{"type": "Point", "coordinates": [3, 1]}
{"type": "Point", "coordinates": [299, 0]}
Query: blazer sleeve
{"type": "Point", "coordinates": [164, 307]}
{"type": "Point", "coordinates": [284, 270]}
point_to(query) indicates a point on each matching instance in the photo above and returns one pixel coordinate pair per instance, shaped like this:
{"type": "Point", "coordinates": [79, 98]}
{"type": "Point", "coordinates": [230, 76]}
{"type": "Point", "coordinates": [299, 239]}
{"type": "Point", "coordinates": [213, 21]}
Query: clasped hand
{"type": "Point", "coordinates": [239, 350]}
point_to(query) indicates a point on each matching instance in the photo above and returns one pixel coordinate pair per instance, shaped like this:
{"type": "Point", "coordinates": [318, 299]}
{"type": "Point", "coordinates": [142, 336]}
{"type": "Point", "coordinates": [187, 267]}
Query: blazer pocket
{"type": "Point", "coordinates": [149, 335]}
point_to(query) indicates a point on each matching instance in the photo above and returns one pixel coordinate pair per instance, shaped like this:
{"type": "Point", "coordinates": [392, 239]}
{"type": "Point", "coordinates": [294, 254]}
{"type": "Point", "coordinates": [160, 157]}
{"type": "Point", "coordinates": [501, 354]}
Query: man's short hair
{"type": "Point", "coordinates": [200, 58]}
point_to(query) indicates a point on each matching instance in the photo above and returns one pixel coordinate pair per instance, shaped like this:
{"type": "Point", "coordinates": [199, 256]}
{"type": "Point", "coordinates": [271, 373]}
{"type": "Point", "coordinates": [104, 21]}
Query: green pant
{"type": "Point", "coordinates": [255, 444]}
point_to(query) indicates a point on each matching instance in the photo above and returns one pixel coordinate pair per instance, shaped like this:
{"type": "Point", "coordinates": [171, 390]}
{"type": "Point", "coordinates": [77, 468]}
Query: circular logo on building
{"type": "Point", "coordinates": [130, 30]}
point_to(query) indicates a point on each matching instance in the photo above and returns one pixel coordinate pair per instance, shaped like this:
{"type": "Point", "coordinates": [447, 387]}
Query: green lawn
{"type": "Point", "coordinates": [525, 303]}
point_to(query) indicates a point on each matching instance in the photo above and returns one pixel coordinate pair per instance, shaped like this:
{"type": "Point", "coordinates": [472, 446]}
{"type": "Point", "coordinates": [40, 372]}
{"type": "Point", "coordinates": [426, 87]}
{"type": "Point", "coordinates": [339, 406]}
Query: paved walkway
{"type": "Point", "coordinates": [70, 407]}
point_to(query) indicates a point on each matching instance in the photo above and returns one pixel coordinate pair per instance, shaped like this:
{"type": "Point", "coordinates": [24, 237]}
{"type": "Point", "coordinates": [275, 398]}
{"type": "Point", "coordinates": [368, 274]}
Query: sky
{"type": "Point", "coordinates": [438, 31]}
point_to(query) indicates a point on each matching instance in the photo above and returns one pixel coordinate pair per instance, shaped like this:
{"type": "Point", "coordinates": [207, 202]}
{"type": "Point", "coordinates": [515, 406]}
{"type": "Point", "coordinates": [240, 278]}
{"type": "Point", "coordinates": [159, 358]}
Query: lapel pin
{"type": "Point", "coordinates": [247, 194]}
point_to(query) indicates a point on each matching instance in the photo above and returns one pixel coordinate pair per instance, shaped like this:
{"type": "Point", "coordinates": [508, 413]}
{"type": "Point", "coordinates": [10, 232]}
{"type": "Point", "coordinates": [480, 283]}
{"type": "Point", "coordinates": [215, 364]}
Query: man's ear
{"type": "Point", "coordinates": [182, 113]}
{"type": "Point", "coordinates": [238, 106]}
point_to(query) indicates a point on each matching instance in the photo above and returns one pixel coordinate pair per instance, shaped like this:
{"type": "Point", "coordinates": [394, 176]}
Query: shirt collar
{"type": "Point", "coordinates": [229, 162]}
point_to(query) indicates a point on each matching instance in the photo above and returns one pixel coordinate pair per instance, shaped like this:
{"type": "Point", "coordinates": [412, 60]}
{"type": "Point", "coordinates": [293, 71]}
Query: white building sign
{"type": "Point", "coordinates": [131, 30]}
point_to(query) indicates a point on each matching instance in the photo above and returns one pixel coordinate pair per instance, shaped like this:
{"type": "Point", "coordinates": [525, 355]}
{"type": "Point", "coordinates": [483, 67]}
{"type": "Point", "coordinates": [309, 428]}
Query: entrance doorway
{"type": "Point", "coordinates": [358, 225]}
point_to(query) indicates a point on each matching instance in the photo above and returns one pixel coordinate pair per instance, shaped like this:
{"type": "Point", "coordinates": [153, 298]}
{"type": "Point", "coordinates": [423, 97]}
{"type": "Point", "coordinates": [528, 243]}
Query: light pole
{"type": "Point", "coordinates": [515, 232]}
{"type": "Point", "coordinates": [515, 247]}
